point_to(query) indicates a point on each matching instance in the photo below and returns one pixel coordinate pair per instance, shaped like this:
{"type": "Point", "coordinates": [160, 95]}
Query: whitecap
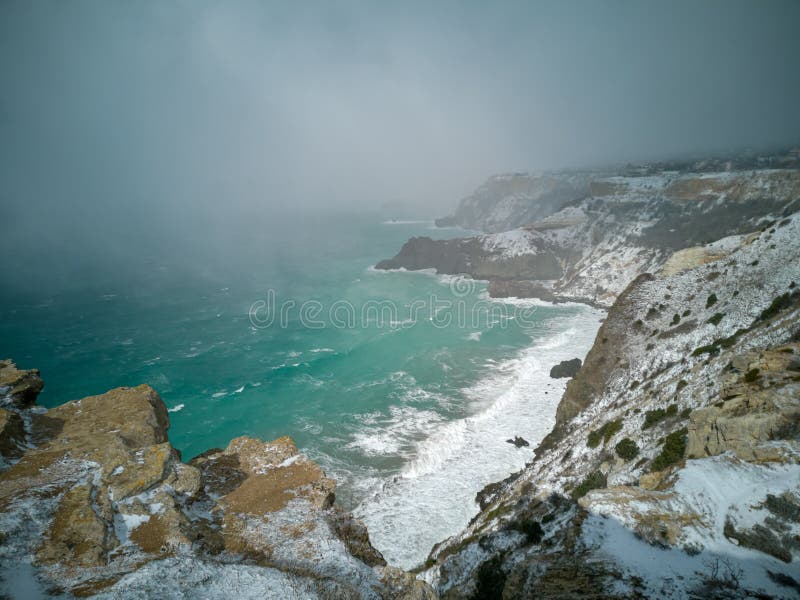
{"type": "Point", "coordinates": [406, 222]}
{"type": "Point", "coordinates": [175, 408]}
{"type": "Point", "coordinates": [449, 461]}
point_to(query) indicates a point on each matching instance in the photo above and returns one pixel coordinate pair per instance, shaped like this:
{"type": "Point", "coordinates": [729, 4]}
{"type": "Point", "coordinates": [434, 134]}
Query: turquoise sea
{"type": "Point", "coordinates": [409, 412]}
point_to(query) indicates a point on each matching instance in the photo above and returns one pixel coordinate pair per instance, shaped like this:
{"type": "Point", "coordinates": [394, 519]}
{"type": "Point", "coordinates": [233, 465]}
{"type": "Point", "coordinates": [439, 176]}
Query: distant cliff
{"type": "Point", "coordinates": [593, 248]}
{"type": "Point", "coordinates": [510, 200]}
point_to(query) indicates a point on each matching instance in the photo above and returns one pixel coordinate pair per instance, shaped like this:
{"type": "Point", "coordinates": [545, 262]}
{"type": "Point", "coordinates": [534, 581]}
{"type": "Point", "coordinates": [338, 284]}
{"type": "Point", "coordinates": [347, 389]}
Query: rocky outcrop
{"type": "Point", "coordinates": [677, 445]}
{"type": "Point", "coordinates": [98, 496]}
{"type": "Point", "coordinates": [566, 368]}
{"type": "Point", "coordinates": [483, 258]}
{"type": "Point", "coordinates": [18, 388]}
{"type": "Point", "coordinates": [758, 403]}
{"type": "Point", "coordinates": [591, 249]}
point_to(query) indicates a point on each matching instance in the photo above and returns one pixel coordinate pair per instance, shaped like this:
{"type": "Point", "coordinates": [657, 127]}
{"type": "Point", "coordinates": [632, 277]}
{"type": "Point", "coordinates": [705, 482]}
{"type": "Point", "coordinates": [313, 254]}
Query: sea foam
{"type": "Point", "coordinates": [434, 495]}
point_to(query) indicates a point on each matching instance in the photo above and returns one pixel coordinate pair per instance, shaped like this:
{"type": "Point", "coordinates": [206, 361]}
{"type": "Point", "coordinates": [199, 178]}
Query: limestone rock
{"type": "Point", "coordinates": [109, 495]}
{"type": "Point", "coordinates": [645, 512]}
{"type": "Point", "coordinates": [761, 403]}
{"type": "Point", "coordinates": [252, 479]}
{"type": "Point", "coordinates": [18, 388]}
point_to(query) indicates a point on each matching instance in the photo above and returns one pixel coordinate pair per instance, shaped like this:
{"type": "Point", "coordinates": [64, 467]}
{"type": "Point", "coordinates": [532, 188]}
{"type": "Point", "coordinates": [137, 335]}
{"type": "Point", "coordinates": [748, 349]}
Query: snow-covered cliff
{"type": "Point", "coordinates": [674, 467]}
{"type": "Point", "coordinates": [591, 249]}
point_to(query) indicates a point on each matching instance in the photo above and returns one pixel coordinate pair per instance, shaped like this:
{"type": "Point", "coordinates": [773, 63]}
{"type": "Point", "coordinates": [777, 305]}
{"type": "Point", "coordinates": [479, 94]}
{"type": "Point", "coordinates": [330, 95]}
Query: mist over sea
{"type": "Point", "coordinates": [408, 410]}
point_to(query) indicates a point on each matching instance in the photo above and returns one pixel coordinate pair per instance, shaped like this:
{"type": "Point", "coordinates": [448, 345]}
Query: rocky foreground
{"type": "Point", "coordinates": [97, 500]}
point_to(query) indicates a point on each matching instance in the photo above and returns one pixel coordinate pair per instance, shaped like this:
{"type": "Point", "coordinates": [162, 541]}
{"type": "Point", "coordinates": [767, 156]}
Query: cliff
{"type": "Point", "coordinates": [95, 501]}
{"type": "Point", "coordinates": [674, 467]}
{"type": "Point", "coordinates": [510, 200]}
{"type": "Point", "coordinates": [590, 250]}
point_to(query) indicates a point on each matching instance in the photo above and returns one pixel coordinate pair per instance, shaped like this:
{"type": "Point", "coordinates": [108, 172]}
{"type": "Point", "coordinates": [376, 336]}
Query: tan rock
{"type": "Point", "coordinates": [146, 467]}
{"type": "Point", "coordinates": [689, 258]}
{"type": "Point", "coordinates": [257, 479]}
{"type": "Point", "coordinates": [78, 535]}
{"type": "Point", "coordinates": [18, 388]}
{"type": "Point", "coordinates": [163, 527]}
{"type": "Point", "coordinates": [136, 415]}
{"type": "Point", "coordinates": [115, 440]}
{"type": "Point", "coordinates": [761, 403]}
{"type": "Point", "coordinates": [646, 512]}
{"type": "Point", "coordinates": [120, 496]}
{"type": "Point", "coordinates": [184, 479]}
{"type": "Point", "coordinates": [404, 586]}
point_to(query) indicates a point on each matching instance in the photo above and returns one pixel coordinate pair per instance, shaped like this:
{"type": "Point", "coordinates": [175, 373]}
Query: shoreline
{"type": "Point", "coordinates": [456, 461]}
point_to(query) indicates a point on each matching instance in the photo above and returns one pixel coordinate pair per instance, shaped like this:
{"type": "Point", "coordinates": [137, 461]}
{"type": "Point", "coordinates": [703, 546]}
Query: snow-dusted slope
{"type": "Point", "coordinates": [593, 248]}
{"type": "Point", "coordinates": [674, 467]}
{"type": "Point", "coordinates": [509, 200]}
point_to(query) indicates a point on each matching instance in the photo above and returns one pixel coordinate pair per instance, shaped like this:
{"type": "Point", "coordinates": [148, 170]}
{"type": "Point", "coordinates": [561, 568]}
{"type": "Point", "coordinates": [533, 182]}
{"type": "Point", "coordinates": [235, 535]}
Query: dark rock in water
{"type": "Point", "coordinates": [566, 368]}
{"type": "Point", "coordinates": [518, 441]}
{"type": "Point", "coordinates": [450, 221]}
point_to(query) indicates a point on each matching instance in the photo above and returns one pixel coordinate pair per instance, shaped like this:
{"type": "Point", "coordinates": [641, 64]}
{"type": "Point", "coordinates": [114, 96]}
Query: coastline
{"type": "Point", "coordinates": [434, 497]}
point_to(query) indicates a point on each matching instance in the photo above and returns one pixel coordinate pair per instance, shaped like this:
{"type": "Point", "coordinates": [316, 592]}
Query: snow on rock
{"type": "Point", "coordinates": [591, 248]}
{"type": "Point", "coordinates": [698, 373]}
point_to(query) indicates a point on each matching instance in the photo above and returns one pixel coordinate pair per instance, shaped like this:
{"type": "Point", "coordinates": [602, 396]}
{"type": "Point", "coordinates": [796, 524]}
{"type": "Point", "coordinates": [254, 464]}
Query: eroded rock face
{"type": "Point", "coordinates": [18, 388]}
{"type": "Point", "coordinates": [103, 495]}
{"type": "Point", "coordinates": [12, 434]}
{"type": "Point", "coordinates": [759, 403]}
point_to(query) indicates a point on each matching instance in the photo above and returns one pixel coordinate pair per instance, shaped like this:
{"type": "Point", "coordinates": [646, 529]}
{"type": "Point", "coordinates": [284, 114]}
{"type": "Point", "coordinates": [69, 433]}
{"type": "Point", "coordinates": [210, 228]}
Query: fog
{"type": "Point", "coordinates": [120, 117]}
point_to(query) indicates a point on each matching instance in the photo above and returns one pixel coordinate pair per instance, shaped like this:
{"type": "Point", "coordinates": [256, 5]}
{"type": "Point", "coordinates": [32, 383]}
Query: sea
{"type": "Point", "coordinates": [404, 386]}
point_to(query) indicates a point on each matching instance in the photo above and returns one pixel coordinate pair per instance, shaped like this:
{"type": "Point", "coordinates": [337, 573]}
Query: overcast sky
{"type": "Point", "coordinates": [152, 109]}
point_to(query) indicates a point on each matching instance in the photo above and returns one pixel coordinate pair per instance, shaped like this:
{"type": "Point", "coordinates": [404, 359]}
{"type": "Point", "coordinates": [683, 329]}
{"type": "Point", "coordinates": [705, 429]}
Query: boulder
{"type": "Point", "coordinates": [518, 441]}
{"type": "Point", "coordinates": [566, 368]}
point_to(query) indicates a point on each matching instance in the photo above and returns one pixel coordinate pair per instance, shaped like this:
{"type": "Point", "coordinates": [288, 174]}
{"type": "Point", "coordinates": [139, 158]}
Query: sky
{"type": "Point", "coordinates": [116, 113]}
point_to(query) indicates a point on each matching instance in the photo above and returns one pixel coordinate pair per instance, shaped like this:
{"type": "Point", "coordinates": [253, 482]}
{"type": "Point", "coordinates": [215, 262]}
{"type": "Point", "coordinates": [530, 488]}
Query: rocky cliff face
{"type": "Point", "coordinates": [674, 467]}
{"type": "Point", "coordinates": [96, 498]}
{"type": "Point", "coordinates": [510, 200]}
{"type": "Point", "coordinates": [593, 248]}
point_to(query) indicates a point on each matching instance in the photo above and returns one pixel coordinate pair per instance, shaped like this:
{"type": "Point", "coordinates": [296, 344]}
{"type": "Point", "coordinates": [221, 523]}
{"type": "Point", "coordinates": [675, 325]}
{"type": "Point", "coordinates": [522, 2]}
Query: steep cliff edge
{"type": "Point", "coordinates": [94, 501]}
{"type": "Point", "coordinates": [674, 467]}
{"type": "Point", "coordinates": [591, 249]}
